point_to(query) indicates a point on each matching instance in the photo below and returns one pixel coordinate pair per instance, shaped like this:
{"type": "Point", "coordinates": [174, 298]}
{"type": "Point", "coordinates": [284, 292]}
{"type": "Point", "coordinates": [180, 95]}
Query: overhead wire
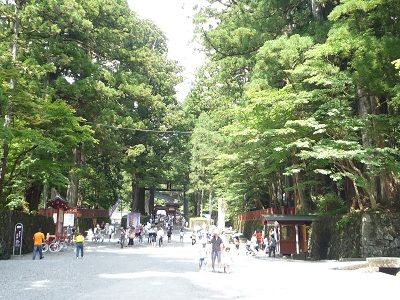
{"type": "Point", "coordinates": [140, 129]}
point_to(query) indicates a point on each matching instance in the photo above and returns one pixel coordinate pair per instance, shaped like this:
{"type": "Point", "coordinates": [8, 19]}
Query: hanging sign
{"type": "Point", "coordinates": [18, 233]}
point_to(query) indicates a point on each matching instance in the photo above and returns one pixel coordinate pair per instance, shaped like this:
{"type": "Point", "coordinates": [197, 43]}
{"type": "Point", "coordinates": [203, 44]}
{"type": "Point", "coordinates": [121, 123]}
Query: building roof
{"type": "Point", "coordinates": [290, 218]}
{"type": "Point", "coordinates": [58, 203]}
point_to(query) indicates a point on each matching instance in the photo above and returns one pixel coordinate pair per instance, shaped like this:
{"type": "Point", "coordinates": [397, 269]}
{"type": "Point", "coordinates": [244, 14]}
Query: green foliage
{"type": "Point", "coordinates": [330, 204]}
{"type": "Point", "coordinates": [87, 74]}
{"type": "Point", "coordinates": [312, 98]}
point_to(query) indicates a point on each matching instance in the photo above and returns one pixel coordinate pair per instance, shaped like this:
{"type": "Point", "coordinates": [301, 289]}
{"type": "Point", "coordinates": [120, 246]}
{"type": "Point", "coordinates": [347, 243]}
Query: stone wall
{"type": "Point", "coordinates": [380, 235]}
{"type": "Point", "coordinates": [355, 235]}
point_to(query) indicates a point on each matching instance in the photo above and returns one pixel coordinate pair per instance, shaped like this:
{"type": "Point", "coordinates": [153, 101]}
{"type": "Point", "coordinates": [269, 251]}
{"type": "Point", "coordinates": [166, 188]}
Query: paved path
{"type": "Point", "coordinates": [143, 272]}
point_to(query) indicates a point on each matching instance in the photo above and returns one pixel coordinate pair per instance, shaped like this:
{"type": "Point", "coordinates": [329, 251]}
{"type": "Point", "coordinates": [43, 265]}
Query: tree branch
{"type": "Point", "coordinates": [225, 54]}
{"type": "Point", "coordinates": [17, 161]}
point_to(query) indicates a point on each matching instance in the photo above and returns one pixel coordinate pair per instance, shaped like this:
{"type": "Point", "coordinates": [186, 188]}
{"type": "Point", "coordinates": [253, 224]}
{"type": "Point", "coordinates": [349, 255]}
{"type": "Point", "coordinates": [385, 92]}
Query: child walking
{"type": "Point", "coordinates": [203, 252]}
{"type": "Point", "coordinates": [227, 260]}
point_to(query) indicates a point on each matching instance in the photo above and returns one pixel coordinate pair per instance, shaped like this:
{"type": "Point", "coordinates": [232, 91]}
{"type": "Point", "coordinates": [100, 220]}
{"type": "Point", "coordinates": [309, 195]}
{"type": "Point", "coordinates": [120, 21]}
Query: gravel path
{"type": "Point", "coordinates": [170, 272]}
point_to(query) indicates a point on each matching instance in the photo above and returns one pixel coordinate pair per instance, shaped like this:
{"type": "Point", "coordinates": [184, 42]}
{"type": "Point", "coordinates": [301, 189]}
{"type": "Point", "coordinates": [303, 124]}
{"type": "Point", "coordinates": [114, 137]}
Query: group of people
{"type": "Point", "coordinates": [214, 247]}
{"type": "Point", "coordinates": [39, 240]}
{"type": "Point", "coordinates": [268, 244]}
{"type": "Point", "coordinates": [155, 235]}
{"type": "Point", "coordinates": [210, 243]}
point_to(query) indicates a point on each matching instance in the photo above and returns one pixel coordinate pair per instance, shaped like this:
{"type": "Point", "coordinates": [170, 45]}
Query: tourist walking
{"type": "Point", "coordinates": [203, 253]}
{"type": "Point", "coordinates": [110, 232]}
{"type": "Point", "coordinates": [69, 233]}
{"type": "Point", "coordinates": [169, 233]}
{"type": "Point", "coordinates": [216, 247]}
{"type": "Point", "coordinates": [138, 233]}
{"type": "Point", "coordinates": [153, 236]}
{"type": "Point", "coordinates": [227, 260]}
{"type": "Point", "coordinates": [236, 241]}
{"type": "Point", "coordinates": [272, 246]}
{"type": "Point", "coordinates": [194, 237]}
{"type": "Point", "coordinates": [160, 235]}
{"type": "Point", "coordinates": [38, 240]}
{"type": "Point", "coordinates": [260, 240]}
{"type": "Point", "coordinates": [181, 234]}
{"type": "Point", "coordinates": [131, 236]}
{"type": "Point", "coordinates": [79, 239]}
{"type": "Point", "coordinates": [122, 237]}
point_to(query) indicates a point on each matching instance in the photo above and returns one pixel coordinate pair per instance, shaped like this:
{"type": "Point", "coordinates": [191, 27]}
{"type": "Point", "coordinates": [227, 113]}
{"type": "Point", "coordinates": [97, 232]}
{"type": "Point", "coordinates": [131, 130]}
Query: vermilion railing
{"type": "Point", "coordinates": [78, 212]}
{"type": "Point", "coordinates": [256, 214]}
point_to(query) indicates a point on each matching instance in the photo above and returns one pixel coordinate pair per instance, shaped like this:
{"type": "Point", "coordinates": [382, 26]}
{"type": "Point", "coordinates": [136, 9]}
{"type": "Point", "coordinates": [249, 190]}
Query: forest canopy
{"type": "Point", "coordinates": [87, 102]}
{"type": "Point", "coordinates": [298, 105]}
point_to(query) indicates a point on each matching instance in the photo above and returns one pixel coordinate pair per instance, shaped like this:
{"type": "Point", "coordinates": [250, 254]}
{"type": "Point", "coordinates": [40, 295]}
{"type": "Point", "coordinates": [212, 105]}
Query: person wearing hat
{"type": "Point", "coordinates": [216, 247]}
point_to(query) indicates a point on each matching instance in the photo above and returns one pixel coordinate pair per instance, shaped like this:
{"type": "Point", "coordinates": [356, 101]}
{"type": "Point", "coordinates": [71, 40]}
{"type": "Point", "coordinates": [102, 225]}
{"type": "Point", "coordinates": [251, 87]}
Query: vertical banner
{"type": "Point", "coordinates": [133, 219]}
{"type": "Point", "coordinates": [18, 233]}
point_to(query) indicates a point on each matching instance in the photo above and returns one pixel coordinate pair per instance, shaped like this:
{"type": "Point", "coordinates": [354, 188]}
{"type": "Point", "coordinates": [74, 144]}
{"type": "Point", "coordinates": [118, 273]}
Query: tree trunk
{"type": "Point", "coordinates": [138, 196]}
{"type": "Point", "coordinates": [151, 201]}
{"type": "Point", "coordinates": [53, 193]}
{"type": "Point", "coordinates": [45, 194]}
{"type": "Point", "coordinates": [316, 10]}
{"type": "Point", "coordinates": [210, 204]}
{"type": "Point", "coordinates": [32, 195]}
{"type": "Point", "coordinates": [142, 200]}
{"type": "Point", "coordinates": [201, 202]}
{"type": "Point", "coordinates": [8, 116]}
{"type": "Point", "coordinates": [73, 185]}
{"type": "Point", "coordinates": [357, 197]}
{"type": "Point", "coordinates": [301, 201]}
{"type": "Point", "coordinates": [196, 204]}
{"type": "Point", "coordinates": [370, 136]}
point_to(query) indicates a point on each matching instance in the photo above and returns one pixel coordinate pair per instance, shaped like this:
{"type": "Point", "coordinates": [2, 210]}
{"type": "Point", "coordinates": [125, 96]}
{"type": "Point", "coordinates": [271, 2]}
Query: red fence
{"type": "Point", "coordinates": [256, 214]}
{"type": "Point", "coordinates": [78, 212]}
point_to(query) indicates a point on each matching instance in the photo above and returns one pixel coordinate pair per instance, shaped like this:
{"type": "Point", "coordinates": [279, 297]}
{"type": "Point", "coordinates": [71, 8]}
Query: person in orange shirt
{"type": "Point", "coordinates": [38, 240]}
{"type": "Point", "coordinates": [259, 239]}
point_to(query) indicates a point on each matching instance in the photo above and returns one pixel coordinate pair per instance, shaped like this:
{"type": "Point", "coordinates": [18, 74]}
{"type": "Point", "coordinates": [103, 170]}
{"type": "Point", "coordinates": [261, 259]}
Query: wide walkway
{"type": "Point", "coordinates": [170, 272]}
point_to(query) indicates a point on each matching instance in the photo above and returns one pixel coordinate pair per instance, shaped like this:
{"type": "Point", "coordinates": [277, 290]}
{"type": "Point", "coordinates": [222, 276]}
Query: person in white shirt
{"type": "Point", "coordinates": [160, 235]}
{"type": "Point", "coordinates": [203, 253]}
{"type": "Point", "coordinates": [227, 260]}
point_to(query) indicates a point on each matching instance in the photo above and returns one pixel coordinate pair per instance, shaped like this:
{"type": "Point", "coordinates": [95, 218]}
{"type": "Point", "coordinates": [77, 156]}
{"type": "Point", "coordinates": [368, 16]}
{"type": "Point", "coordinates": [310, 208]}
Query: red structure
{"type": "Point", "coordinates": [291, 232]}
{"type": "Point", "coordinates": [257, 214]}
{"type": "Point", "coordinates": [60, 206]}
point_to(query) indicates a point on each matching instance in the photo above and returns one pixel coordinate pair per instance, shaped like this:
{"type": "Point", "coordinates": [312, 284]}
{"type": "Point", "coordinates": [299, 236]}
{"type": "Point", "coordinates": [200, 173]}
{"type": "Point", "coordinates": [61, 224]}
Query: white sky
{"type": "Point", "coordinates": [174, 17]}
